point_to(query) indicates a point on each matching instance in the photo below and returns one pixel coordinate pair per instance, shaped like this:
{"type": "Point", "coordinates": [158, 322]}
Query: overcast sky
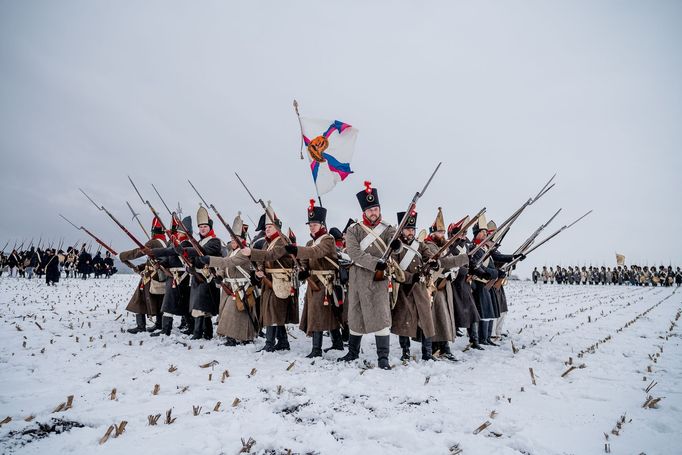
{"type": "Point", "coordinates": [504, 93]}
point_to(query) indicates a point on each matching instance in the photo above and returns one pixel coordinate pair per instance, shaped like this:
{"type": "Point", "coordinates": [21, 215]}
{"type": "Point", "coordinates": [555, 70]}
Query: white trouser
{"type": "Point", "coordinates": [381, 333]}
{"type": "Point", "coordinates": [499, 324]}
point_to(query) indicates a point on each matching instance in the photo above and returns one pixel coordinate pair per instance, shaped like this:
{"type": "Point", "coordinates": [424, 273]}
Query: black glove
{"type": "Point", "coordinates": [303, 274]}
{"type": "Point", "coordinates": [291, 249]}
{"type": "Point", "coordinates": [395, 245]}
{"type": "Point", "coordinates": [218, 280]}
{"type": "Point", "coordinates": [254, 279]}
{"type": "Point", "coordinates": [520, 257]}
{"type": "Point", "coordinates": [381, 266]}
{"type": "Point", "coordinates": [434, 264]}
{"type": "Point", "coordinates": [501, 274]}
{"type": "Point", "coordinates": [201, 261]}
{"type": "Point", "coordinates": [415, 278]}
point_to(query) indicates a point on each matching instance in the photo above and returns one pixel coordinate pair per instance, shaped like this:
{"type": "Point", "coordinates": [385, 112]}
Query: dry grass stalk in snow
{"type": "Point", "coordinates": [153, 419]}
{"type": "Point", "coordinates": [225, 375]}
{"type": "Point", "coordinates": [216, 408]}
{"type": "Point", "coordinates": [247, 445]}
{"type": "Point", "coordinates": [236, 402]}
{"type": "Point", "coordinates": [120, 428]}
{"type": "Point", "coordinates": [482, 427]}
{"type": "Point", "coordinates": [651, 402]}
{"type": "Point", "coordinates": [112, 395]}
{"type": "Point", "coordinates": [172, 368]}
{"type": "Point", "coordinates": [169, 418]}
{"type": "Point", "coordinates": [156, 389]}
{"type": "Point", "coordinates": [532, 375]}
{"type": "Point", "coordinates": [291, 365]}
{"type": "Point", "coordinates": [7, 419]}
{"type": "Point", "coordinates": [209, 364]}
{"type": "Point", "coordinates": [105, 438]}
{"type": "Point", "coordinates": [196, 410]}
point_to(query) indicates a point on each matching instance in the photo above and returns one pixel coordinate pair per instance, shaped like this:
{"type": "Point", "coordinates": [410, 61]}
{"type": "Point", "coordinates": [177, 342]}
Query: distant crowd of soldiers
{"type": "Point", "coordinates": [619, 275]}
{"type": "Point", "coordinates": [54, 263]}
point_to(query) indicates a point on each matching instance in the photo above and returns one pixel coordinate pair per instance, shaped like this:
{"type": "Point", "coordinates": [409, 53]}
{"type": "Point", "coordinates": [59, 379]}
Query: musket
{"type": "Point", "coordinates": [509, 221]}
{"type": "Point", "coordinates": [3, 248]}
{"type": "Point", "coordinates": [128, 233]}
{"type": "Point", "coordinates": [525, 245]}
{"type": "Point", "coordinates": [379, 275]}
{"type": "Point", "coordinates": [557, 232]}
{"type": "Point", "coordinates": [285, 238]}
{"type": "Point", "coordinates": [461, 234]}
{"type": "Point", "coordinates": [220, 217]}
{"type": "Point", "coordinates": [148, 204]}
{"type": "Point", "coordinates": [136, 216]}
{"type": "Point", "coordinates": [107, 247]}
{"type": "Point", "coordinates": [190, 268]}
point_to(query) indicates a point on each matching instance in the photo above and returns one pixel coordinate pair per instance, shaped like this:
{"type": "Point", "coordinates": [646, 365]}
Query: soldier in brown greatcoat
{"type": "Point", "coordinates": [237, 322]}
{"type": "Point", "coordinates": [411, 314]}
{"type": "Point", "coordinates": [320, 265]}
{"type": "Point", "coordinates": [279, 298]}
{"type": "Point", "coordinates": [443, 307]}
{"type": "Point", "coordinates": [148, 295]}
{"type": "Point", "coordinates": [369, 306]}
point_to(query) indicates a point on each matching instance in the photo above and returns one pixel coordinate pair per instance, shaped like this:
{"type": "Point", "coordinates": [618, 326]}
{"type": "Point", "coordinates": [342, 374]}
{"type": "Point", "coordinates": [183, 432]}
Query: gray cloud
{"type": "Point", "coordinates": [504, 94]}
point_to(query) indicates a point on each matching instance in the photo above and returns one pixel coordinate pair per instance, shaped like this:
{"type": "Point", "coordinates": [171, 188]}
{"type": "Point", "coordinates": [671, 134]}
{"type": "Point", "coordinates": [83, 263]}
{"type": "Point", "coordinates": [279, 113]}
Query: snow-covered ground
{"type": "Point", "coordinates": [70, 340]}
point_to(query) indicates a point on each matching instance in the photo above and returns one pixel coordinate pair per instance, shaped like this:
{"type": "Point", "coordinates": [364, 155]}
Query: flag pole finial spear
{"type": "Point", "coordinates": [298, 115]}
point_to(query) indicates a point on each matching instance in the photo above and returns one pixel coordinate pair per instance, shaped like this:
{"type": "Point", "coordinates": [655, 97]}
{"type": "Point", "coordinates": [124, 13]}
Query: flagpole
{"type": "Point", "coordinates": [300, 124]}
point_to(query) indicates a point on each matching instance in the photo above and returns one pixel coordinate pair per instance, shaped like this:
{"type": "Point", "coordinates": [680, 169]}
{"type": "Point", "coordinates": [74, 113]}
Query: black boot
{"type": "Point", "coordinates": [166, 326]}
{"type": "Point", "coordinates": [157, 323]}
{"type": "Point", "coordinates": [405, 346]}
{"type": "Point", "coordinates": [189, 330]}
{"type": "Point", "coordinates": [198, 328]}
{"type": "Point", "coordinates": [208, 327]}
{"type": "Point", "coordinates": [473, 337]}
{"type": "Point", "coordinates": [353, 348]}
{"type": "Point", "coordinates": [337, 341]}
{"type": "Point", "coordinates": [345, 333]}
{"type": "Point", "coordinates": [489, 334]}
{"type": "Point", "coordinates": [427, 347]}
{"type": "Point", "coordinates": [282, 339]}
{"type": "Point", "coordinates": [445, 351]}
{"type": "Point", "coordinates": [230, 342]}
{"type": "Point", "coordinates": [270, 332]}
{"type": "Point", "coordinates": [140, 324]}
{"type": "Point", "coordinates": [317, 346]}
{"type": "Point", "coordinates": [383, 349]}
{"type": "Point", "coordinates": [483, 332]}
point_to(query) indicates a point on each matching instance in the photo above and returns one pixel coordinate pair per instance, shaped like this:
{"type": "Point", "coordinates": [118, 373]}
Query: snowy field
{"type": "Point", "coordinates": [70, 340]}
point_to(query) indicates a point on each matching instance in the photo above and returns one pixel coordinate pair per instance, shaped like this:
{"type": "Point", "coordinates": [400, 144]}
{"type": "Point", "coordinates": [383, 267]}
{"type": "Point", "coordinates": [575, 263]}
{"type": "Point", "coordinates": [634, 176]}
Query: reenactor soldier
{"type": "Point", "coordinates": [369, 300]}
{"type": "Point", "coordinates": [319, 260]}
{"type": "Point", "coordinates": [148, 295]}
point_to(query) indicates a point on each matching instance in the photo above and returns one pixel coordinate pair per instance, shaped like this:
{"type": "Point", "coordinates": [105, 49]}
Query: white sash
{"type": "Point", "coordinates": [372, 235]}
{"type": "Point", "coordinates": [411, 253]}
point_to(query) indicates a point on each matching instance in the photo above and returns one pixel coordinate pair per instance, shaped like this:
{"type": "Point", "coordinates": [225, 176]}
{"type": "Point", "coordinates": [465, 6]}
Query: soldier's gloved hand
{"type": "Point", "coordinates": [434, 264]}
{"type": "Point", "coordinates": [179, 250]}
{"type": "Point", "coordinates": [501, 274]}
{"type": "Point", "coordinates": [303, 275]}
{"type": "Point", "coordinates": [520, 257]}
{"type": "Point", "coordinates": [218, 280]}
{"type": "Point", "coordinates": [395, 245]}
{"type": "Point", "coordinates": [381, 266]}
{"type": "Point", "coordinates": [202, 261]}
{"type": "Point", "coordinates": [415, 278]}
{"type": "Point", "coordinates": [291, 249]}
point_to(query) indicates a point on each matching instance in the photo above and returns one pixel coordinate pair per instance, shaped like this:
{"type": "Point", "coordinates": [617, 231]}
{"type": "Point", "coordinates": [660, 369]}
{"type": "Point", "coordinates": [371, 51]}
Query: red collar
{"type": "Point", "coordinates": [320, 233]}
{"type": "Point", "coordinates": [368, 223]}
{"type": "Point", "coordinates": [161, 237]}
{"type": "Point", "coordinates": [339, 243]}
{"type": "Point", "coordinates": [210, 234]}
{"type": "Point", "coordinates": [273, 238]}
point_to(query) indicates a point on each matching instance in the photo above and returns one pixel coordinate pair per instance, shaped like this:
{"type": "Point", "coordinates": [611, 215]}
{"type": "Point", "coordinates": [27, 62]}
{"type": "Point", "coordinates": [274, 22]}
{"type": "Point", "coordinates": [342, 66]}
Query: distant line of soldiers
{"type": "Point", "coordinates": [53, 262]}
{"type": "Point", "coordinates": [253, 285]}
{"type": "Point", "coordinates": [619, 275]}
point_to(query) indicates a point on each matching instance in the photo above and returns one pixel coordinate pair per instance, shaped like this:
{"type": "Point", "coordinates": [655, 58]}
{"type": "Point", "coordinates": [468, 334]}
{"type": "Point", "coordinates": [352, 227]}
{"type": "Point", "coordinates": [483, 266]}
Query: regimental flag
{"type": "Point", "coordinates": [620, 259]}
{"type": "Point", "coordinates": [330, 146]}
